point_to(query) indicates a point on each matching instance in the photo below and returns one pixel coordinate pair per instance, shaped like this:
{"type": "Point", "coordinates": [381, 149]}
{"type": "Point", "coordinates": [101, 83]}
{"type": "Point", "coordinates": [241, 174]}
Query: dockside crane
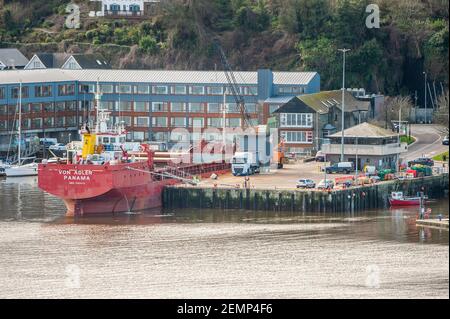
{"type": "Point", "coordinates": [233, 86]}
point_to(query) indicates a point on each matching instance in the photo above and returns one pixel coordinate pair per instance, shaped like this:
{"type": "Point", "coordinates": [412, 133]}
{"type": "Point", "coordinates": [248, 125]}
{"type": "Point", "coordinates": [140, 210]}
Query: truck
{"type": "Point", "coordinates": [340, 168]}
{"type": "Point", "coordinates": [245, 163]}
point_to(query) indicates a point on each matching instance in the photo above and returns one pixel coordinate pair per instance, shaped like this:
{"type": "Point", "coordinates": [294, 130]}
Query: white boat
{"type": "Point", "coordinates": [21, 169]}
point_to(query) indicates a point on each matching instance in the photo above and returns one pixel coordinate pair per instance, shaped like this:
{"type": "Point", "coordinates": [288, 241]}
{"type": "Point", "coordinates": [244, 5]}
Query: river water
{"type": "Point", "coordinates": [212, 254]}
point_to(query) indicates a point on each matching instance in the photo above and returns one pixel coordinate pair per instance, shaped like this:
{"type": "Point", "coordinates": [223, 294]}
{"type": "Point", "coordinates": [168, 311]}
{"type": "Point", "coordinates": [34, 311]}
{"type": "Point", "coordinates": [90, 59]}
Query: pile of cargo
{"type": "Point", "coordinates": [386, 174]}
{"type": "Point", "coordinates": [420, 171]}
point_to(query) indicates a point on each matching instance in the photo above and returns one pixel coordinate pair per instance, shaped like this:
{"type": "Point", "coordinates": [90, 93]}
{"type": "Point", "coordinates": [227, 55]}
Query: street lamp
{"type": "Point", "coordinates": [399, 141]}
{"type": "Point", "coordinates": [344, 51]}
{"type": "Point", "coordinates": [425, 73]}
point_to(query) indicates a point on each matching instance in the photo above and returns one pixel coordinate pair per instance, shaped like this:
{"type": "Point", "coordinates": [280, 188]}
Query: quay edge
{"type": "Point", "coordinates": [353, 199]}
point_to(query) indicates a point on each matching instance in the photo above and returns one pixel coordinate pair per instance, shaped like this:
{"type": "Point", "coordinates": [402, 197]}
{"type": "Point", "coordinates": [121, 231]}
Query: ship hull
{"type": "Point", "coordinates": [404, 202]}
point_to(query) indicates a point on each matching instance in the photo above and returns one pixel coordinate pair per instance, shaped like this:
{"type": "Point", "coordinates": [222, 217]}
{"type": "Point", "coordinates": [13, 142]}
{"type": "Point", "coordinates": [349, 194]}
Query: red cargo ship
{"type": "Point", "coordinates": [101, 177]}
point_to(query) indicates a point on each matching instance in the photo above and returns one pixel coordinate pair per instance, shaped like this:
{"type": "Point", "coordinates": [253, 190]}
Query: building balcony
{"type": "Point", "coordinates": [122, 14]}
{"type": "Point", "coordinates": [374, 150]}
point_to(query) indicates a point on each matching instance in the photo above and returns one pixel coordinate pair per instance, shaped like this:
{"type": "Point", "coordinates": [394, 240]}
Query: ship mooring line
{"type": "Point", "coordinates": [163, 175]}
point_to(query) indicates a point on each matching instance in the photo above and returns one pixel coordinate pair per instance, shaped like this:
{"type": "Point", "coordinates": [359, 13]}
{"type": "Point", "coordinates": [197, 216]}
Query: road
{"type": "Point", "coordinates": [428, 142]}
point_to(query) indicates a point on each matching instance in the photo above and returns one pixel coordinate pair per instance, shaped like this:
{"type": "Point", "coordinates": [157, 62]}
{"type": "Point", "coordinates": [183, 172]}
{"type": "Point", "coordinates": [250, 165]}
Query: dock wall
{"type": "Point", "coordinates": [353, 199]}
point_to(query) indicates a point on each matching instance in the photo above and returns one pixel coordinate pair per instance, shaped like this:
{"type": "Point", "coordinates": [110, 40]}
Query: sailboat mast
{"type": "Point", "coordinates": [20, 123]}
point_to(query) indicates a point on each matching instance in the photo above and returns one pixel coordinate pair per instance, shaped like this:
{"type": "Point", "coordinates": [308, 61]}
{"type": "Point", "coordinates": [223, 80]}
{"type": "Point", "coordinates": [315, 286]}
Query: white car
{"type": "Point", "coordinates": [306, 183]}
{"type": "Point", "coordinates": [326, 184]}
{"type": "Point", "coordinates": [58, 147]}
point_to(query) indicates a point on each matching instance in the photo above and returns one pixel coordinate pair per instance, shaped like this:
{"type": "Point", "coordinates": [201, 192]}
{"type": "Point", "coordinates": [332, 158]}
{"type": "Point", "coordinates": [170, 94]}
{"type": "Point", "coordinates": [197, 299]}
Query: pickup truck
{"type": "Point", "coordinates": [340, 168]}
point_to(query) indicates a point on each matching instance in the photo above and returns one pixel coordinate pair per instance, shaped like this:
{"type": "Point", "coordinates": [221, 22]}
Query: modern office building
{"type": "Point", "coordinates": [55, 102]}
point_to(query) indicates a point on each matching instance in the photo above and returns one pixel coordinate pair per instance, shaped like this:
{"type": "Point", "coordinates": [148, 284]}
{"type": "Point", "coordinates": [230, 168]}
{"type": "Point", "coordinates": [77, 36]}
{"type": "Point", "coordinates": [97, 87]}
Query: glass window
{"type": "Point", "coordinates": [234, 122]}
{"type": "Point", "coordinates": [59, 122]}
{"type": "Point", "coordinates": [2, 93]}
{"type": "Point", "coordinates": [124, 106]}
{"type": "Point", "coordinates": [253, 90]}
{"type": "Point", "coordinates": [161, 136]}
{"type": "Point", "coordinates": [88, 88]}
{"type": "Point", "coordinates": [125, 120]}
{"type": "Point", "coordinates": [196, 107]}
{"type": "Point", "coordinates": [214, 108]}
{"type": "Point", "coordinates": [141, 107]}
{"type": "Point", "coordinates": [71, 120]}
{"type": "Point", "coordinates": [48, 121]}
{"type": "Point", "coordinates": [159, 107]}
{"type": "Point", "coordinates": [179, 89]}
{"type": "Point", "coordinates": [197, 90]}
{"type": "Point", "coordinates": [296, 120]}
{"type": "Point", "coordinates": [71, 105]}
{"type": "Point", "coordinates": [285, 90]}
{"type": "Point", "coordinates": [197, 122]}
{"type": "Point", "coordinates": [178, 107]}
{"type": "Point", "coordinates": [232, 108]}
{"type": "Point", "coordinates": [43, 91]}
{"type": "Point", "coordinates": [297, 137]}
{"type": "Point", "coordinates": [26, 123]}
{"type": "Point", "coordinates": [60, 106]}
{"type": "Point", "coordinates": [215, 122]}
{"type": "Point", "coordinates": [36, 123]}
{"type": "Point", "coordinates": [124, 89]}
{"type": "Point", "coordinates": [250, 107]}
{"type": "Point", "coordinates": [178, 121]}
{"type": "Point", "coordinates": [141, 121]}
{"type": "Point", "coordinates": [48, 107]}
{"type": "Point", "coordinates": [107, 105]}
{"type": "Point", "coordinates": [215, 90]}
{"type": "Point", "coordinates": [3, 125]}
{"type": "Point", "coordinates": [159, 121]}
{"type": "Point", "coordinates": [15, 92]}
{"type": "Point", "coordinates": [106, 88]}
{"type": "Point", "coordinates": [159, 89]}
{"type": "Point", "coordinates": [142, 89]}
{"type": "Point", "coordinates": [66, 89]}
{"type": "Point", "coordinates": [26, 108]}
{"type": "Point", "coordinates": [36, 108]}
{"type": "Point", "coordinates": [138, 136]}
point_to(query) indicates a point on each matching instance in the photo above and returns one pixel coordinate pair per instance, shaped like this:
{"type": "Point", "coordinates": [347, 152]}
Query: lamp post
{"type": "Point", "coordinates": [399, 143]}
{"type": "Point", "coordinates": [426, 75]}
{"type": "Point", "coordinates": [344, 51]}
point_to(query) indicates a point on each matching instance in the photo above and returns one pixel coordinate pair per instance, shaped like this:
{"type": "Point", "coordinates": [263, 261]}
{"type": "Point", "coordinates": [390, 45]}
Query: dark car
{"type": "Point", "coordinates": [421, 161]}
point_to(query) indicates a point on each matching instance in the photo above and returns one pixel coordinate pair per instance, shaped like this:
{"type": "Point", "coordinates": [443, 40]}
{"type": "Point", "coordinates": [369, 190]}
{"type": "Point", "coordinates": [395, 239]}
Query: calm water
{"type": "Point", "coordinates": [201, 254]}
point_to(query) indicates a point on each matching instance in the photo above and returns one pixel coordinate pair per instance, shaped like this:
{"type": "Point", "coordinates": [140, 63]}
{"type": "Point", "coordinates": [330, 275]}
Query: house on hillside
{"type": "Point", "coordinates": [306, 121]}
{"type": "Point", "coordinates": [66, 61]}
{"type": "Point", "coordinates": [125, 8]}
{"type": "Point", "coordinates": [11, 59]}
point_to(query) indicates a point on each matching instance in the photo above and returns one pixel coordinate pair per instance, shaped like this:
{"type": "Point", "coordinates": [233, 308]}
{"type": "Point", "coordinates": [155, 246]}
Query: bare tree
{"type": "Point", "coordinates": [441, 114]}
{"type": "Point", "coordinates": [391, 110]}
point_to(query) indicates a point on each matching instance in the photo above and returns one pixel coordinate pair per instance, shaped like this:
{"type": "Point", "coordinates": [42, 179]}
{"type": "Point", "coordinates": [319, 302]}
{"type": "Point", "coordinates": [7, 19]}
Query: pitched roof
{"type": "Point", "coordinates": [52, 60]}
{"type": "Point", "coordinates": [322, 101]}
{"type": "Point", "coordinates": [366, 130]}
{"type": "Point", "coordinates": [91, 61]}
{"type": "Point", "coordinates": [136, 76]}
{"type": "Point", "coordinates": [12, 58]}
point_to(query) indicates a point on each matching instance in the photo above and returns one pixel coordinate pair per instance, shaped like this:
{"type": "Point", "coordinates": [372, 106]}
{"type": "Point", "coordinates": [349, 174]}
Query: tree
{"type": "Point", "coordinates": [391, 110]}
{"type": "Point", "coordinates": [441, 116]}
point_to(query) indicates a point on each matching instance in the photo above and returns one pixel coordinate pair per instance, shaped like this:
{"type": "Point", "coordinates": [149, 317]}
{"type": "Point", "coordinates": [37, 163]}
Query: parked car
{"type": "Point", "coordinates": [320, 157]}
{"type": "Point", "coordinates": [306, 183]}
{"type": "Point", "coordinates": [58, 147]}
{"type": "Point", "coordinates": [421, 161]}
{"type": "Point", "coordinates": [340, 168]}
{"type": "Point", "coordinates": [445, 141]}
{"type": "Point", "coordinates": [325, 184]}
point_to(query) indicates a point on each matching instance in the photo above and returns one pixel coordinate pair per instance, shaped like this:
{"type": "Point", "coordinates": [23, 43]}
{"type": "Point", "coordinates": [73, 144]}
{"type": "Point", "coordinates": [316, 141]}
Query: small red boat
{"type": "Point", "coordinates": [398, 199]}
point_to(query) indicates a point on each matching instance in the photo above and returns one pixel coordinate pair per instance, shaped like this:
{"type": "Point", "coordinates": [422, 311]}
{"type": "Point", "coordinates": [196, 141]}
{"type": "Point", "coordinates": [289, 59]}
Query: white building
{"type": "Point", "coordinates": [125, 8]}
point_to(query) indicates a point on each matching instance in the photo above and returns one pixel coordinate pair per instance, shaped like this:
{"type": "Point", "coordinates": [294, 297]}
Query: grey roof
{"type": "Point", "coordinates": [279, 99]}
{"type": "Point", "coordinates": [322, 101]}
{"type": "Point", "coordinates": [147, 76]}
{"type": "Point", "coordinates": [52, 60]}
{"type": "Point", "coordinates": [91, 61]}
{"type": "Point", "coordinates": [366, 130]}
{"type": "Point", "coordinates": [12, 58]}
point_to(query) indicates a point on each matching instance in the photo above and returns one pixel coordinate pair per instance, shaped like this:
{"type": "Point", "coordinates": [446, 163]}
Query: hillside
{"type": "Point", "coordinates": [279, 34]}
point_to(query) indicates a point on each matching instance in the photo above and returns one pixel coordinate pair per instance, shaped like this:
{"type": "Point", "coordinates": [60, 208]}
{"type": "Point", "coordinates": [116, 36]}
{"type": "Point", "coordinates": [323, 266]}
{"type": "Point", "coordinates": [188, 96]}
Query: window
{"type": "Point", "coordinates": [178, 107]}
{"type": "Point", "coordinates": [48, 121]}
{"type": "Point", "coordinates": [161, 136]}
{"type": "Point", "coordinates": [107, 88]}
{"type": "Point", "coordinates": [71, 106]}
{"type": "Point", "coordinates": [232, 108]}
{"type": "Point", "coordinates": [197, 90]}
{"type": "Point", "coordinates": [296, 120]}
{"type": "Point", "coordinates": [141, 107]}
{"type": "Point", "coordinates": [297, 137]}
{"type": "Point", "coordinates": [71, 120]}
{"type": "Point", "coordinates": [196, 108]}
{"type": "Point", "coordinates": [138, 136]}
{"type": "Point", "coordinates": [215, 122]}
{"type": "Point", "coordinates": [142, 89]}
{"type": "Point", "coordinates": [88, 88]}
{"type": "Point", "coordinates": [298, 90]}
{"type": "Point", "coordinates": [3, 110]}
{"type": "Point", "coordinates": [15, 92]}
{"type": "Point", "coordinates": [124, 106]}
{"type": "Point", "coordinates": [197, 122]}
{"type": "Point", "coordinates": [141, 121]}
{"type": "Point", "coordinates": [3, 125]}
{"type": "Point", "coordinates": [179, 89]}
{"type": "Point", "coordinates": [60, 106]}
{"type": "Point", "coordinates": [159, 106]}
{"type": "Point", "coordinates": [124, 89]}
{"type": "Point", "coordinates": [26, 108]}
{"type": "Point", "coordinates": [250, 107]}
{"type": "Point", "coordinates": [2, 93]}
{"type": "Point", "coordinates": [36, 108]}
{"type": "Point", "coordinates": [107, 105]}
{"type": "Point", "coordinates": [214, 108]}
{"type": "Point", "coordinates": [66, 89]}
{"type": "Point", "coordinates": [48, 107]}
{"type": "Point", "coordinates": [59, 122]}
{"type": "Point", "coordinates": [26, 123]}
{"type": "Point", "coordinates": [125, 120]}
{"type": "Point", "coordinates": [159, 121]}
{"type": "Point", "coordinates": [178, 121]}
{"type": "Point", "coordinates": [253, 90]}
{"type": "Point", "coordinates": [159, 89]}
{"type": "Point", "coordinates": [36, 123]}
{"type": "Point", "coordinates": [233, 122]}
{"type": "Point", "coordinates": [215, 90]}
{"type": "Point", "coordinates": [43, 91]}
{"type": "Point", "coordinates": [285, 90]}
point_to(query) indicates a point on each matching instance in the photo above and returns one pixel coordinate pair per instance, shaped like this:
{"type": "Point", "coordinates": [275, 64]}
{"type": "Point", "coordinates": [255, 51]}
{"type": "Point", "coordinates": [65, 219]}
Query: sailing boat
{"type": "Point", "coordinates": [21, 169]}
